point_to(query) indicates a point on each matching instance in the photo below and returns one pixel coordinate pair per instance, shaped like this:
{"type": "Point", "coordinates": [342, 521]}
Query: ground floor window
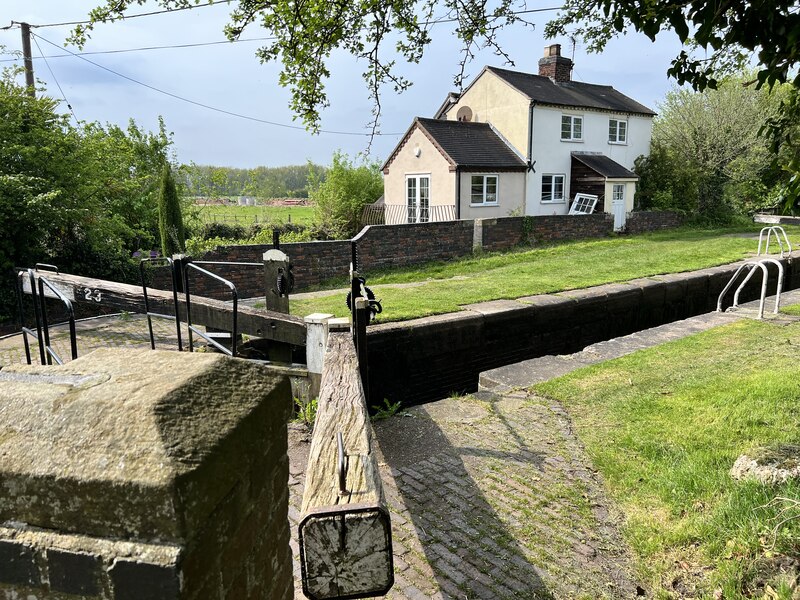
{"type": "Point", "coordinates": [418, 198]}
{"type": "Point", "coordinates": [618, 192]}
{"type": "Point", "coordinates": [553, 188]}
{"type": "Point", "coordinates": [483, 189]}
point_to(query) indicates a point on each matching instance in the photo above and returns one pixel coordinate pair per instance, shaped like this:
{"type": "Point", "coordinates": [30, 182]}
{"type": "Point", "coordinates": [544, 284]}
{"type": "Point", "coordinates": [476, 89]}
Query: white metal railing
{"type": "Point", "coordinates": [777, 231]}
{"type": "Point", "coordinates": [397, 214]}
{"type": "Point", "coordinates": [751, 269]}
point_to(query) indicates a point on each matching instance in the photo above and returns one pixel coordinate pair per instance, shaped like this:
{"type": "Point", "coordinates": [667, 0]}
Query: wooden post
{"type": "Point", "coordinates": [316, 342]}
{"type": "Point", "coordinates": [276, 264]}
{"type": "Point", "coordinates": [345, 531]}
{"type": "Point", "coordinates": [360, 321]}
{"type": "Point", "coordinates": [276, 284]}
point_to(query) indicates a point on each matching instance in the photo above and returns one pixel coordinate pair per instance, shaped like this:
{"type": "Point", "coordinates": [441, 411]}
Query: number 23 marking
{"type": "Point", "coordinates": [92, 295]}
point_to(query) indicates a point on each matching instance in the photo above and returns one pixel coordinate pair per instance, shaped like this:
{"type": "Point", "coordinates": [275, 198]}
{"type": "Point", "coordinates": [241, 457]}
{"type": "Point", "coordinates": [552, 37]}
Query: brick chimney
{"type": "Point", "coordinates": [553, 65]}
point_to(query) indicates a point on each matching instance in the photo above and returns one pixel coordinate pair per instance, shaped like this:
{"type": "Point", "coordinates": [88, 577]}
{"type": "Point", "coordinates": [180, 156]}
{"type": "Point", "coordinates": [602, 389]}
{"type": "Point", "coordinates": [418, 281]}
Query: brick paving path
{"type": "Point", "coordinates": [490, 497]}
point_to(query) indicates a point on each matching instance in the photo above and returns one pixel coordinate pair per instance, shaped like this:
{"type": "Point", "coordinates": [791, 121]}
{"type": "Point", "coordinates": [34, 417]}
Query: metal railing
{"type": "Point", "coordinates": [148, 312]}
{"type": "Point", "coordinates": [49, 350]}
{"type": "Point", "coordinates": [397, 214]}
{"type": "Point", "coordinates": [751, 267]}
{"type": "Point", "coordinates": [37, 283]}
{"type": "Point", "coordinates": [777, 231]}
{"type": "Point", "coordinates": [188, 266]}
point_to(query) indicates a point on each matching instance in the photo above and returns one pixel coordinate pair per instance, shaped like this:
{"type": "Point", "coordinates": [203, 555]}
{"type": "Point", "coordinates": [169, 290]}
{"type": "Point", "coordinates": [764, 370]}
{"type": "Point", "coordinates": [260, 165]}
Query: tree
{"type": "Point", "coordinates": [340, 199]}
{"type": "Point", "coordinates": [727, 33]}
{"type": "Point", "coordinates": [304, 34]}
{"type": "Point", "coordinates": [81, 197]}
{"type": "Point", "coordinates": [707, 150]}
{"type": "Point", "coordinates": [170, 219]}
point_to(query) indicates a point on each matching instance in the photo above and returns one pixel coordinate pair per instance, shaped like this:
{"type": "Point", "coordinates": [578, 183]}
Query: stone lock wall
{"type": "Point", "coordinates": [429, 358]}
{"type": "Point", "coordinates": [142, 475]}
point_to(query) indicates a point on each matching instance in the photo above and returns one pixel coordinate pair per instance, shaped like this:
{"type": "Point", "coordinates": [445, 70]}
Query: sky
{"type": "Point", "coordinates": [230, 77]}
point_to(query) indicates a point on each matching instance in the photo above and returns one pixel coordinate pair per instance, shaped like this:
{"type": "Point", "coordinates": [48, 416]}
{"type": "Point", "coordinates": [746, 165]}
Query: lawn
{"type": "Point", "coordinates": [663, 427]}
{"type": "Point", "coordinates": [443, 287]}
{"type": "Point", "coordinates": [248, 215]}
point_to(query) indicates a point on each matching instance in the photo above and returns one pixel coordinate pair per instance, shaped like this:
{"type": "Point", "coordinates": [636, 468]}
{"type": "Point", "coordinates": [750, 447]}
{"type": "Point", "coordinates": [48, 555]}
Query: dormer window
{"type": "Point", "coordinates": [617, 131]}
{"type": "Point", "coordinates": [571, 128]}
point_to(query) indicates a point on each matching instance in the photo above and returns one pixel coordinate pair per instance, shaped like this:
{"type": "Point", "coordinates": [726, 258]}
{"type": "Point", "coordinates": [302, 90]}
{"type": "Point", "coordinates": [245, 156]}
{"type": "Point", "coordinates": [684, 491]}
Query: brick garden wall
{"type": "Point", "coordinates": [383, 246]}
{"type": "Point", "coordinates": [507, 232]}
{"type": "Point", "coordinates": [644, 221]}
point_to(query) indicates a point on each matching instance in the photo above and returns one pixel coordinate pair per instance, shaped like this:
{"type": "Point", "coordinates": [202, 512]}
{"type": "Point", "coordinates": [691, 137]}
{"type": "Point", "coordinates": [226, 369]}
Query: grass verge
{"type": "Point", "coordinates": [442, 287]}
{"type": "Point", "coordinates": [664, 426]}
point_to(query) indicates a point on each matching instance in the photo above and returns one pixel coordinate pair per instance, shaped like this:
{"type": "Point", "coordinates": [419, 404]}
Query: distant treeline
{"type": "Point", "coordinates": [264, 182]}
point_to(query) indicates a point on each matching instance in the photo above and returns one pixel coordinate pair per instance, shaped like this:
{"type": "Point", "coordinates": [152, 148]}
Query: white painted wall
{"type": "Point", "coordinates": [552, 155]}
{"type": "Point", "coordinates": [510, 195]}
{"type": "Point", "coordinates": [418, 156]}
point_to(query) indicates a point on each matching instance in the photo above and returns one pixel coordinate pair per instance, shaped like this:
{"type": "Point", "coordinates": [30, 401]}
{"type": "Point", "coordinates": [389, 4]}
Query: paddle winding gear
{"type": "Point", "coordinates": [375, 307]}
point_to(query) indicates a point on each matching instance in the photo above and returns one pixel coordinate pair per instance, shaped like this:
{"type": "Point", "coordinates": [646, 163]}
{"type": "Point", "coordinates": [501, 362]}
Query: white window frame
{"type": "Point", "coordinates": [615, 126]}
{"type": "Point", "coordinates": [553, 177]}
{"type": "Point", "coordinates": [573, 120]}
{"type": "Point", "coordinates": [618, 192]}
{"type": "Point", "coordinates": [484, 193]}
{"type": "Point", "coordinates": [419, 211]}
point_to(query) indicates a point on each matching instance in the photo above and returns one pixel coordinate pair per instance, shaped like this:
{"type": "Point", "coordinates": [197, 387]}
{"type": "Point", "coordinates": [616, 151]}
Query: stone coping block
{"type": "Point", "coordinates": [128, 444]}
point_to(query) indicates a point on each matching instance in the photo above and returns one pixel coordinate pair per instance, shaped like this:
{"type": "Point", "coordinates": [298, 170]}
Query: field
{"type": "Point", "coordinates": [442, 287]}
{"type": "Point", "coordinates": [249, 215]}
{"type": "Point", "coordinates": [664, 426]}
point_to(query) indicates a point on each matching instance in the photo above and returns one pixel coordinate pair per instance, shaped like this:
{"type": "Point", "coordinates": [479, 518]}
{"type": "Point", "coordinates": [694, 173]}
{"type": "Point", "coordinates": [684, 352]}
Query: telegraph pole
{"type": "Point", "coordinates": [27, 58]}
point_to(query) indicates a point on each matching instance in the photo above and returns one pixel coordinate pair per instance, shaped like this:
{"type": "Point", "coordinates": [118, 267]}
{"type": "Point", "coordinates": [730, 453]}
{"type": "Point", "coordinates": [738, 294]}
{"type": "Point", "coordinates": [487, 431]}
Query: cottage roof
{"type": "Point", "coordinates": [544, 90]}
{"type": "Point", "coordinates": [471, 145]}
{"type": "Point", "coordinates": [604, 166]}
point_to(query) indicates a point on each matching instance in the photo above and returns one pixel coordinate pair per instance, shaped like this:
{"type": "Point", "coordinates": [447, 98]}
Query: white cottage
{"type": "Point", "coordinates": [572, 137]}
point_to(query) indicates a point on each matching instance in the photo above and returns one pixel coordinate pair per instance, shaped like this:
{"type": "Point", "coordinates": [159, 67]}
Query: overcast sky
{"type": "Point", "coordinates": [229, 77]}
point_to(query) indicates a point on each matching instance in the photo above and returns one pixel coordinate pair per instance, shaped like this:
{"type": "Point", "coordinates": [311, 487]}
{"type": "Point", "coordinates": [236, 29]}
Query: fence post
{"type": "Point", "coordinates": [316, 342]}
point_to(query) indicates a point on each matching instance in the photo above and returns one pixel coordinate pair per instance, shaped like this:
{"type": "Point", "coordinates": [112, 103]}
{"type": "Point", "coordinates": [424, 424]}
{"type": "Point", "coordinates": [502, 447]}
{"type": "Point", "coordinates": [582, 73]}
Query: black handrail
{"type": "Point", "coordinates": [167, 260]}
{"type": "Point", "coordinates": [191, 328]}
{"type": "Point", "coordinates": [46, 328]}
{"type": "Point", "coordinates": [26, 331]}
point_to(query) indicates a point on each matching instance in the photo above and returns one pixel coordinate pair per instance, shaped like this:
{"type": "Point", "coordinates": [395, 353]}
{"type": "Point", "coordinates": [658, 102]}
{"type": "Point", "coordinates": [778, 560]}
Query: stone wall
{"type": "Point", "coordinates": [643, 221]}
{"type": "Point", "coordinates": [429, 358]}
{"type": "Point", "coordinates": [144, 475]}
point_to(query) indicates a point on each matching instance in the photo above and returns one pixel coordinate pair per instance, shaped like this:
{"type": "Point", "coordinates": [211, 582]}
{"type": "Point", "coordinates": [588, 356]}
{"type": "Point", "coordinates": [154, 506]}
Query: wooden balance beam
{"type": "Point", "coordinates": [205, 311]}
{"type": "Point", "coordinates": [345, 532]}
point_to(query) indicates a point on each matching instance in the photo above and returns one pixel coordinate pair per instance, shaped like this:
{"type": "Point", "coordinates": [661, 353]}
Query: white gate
{"type": "Point", "coordinates": [618, 210]}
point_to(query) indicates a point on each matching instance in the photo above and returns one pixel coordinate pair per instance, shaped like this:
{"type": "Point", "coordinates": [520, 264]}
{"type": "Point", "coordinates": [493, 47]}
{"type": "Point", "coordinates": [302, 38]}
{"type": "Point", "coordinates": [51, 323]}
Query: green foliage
{"type": "Point", "coordinates": [303, 36]}
{"type": "Point", "coordinates": [389, 409]}
{"type": "Point", "coordinates": [170, 219]}
{"type": "Point", "coordinates": [340, 199]}
{"type": "Point", "coordinates": [262, 182]}
{"type": "Point", "coordinates": [706, 157]}
{"type": "Point", "coordinates": [81, 197]}
{"type": "Point", "coordinates": [305, 411]}
{"type": "Point", "coordinates": [727, 36]}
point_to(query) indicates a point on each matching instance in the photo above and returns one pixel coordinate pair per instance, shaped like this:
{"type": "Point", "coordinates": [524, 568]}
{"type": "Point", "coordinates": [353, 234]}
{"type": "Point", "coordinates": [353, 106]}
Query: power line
{"type": "Point", "coordinates": [207, 106]}
{"type": "Point", "coordinates": [69, 106]}
{"type": "Point", "coordinates": [145, 48]}
{"type": "Point", "coordinates": [134, 16]}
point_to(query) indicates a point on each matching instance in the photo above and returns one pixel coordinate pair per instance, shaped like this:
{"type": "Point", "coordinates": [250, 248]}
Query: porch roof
{"type": "Point", "coordinates": [603, 165]}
